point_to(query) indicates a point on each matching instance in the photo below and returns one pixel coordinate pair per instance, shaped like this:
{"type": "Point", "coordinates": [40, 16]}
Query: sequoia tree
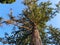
{"type": "Point", "coordinates": [31, 24]}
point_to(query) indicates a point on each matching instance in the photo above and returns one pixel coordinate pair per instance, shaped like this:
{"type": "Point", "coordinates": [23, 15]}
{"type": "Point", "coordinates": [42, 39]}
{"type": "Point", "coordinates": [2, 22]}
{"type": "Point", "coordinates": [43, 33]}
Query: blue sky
{"type": "Point", "coordinates": [17, 8]}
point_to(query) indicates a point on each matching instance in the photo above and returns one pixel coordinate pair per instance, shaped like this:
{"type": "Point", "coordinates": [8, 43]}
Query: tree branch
{"type": "Point", "coordinates": [25, 27]}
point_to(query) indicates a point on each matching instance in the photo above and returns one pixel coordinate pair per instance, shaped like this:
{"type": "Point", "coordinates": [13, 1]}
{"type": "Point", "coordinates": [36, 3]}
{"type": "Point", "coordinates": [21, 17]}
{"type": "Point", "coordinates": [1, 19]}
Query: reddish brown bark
{"type": "Point", "coordinates": [35, 39]}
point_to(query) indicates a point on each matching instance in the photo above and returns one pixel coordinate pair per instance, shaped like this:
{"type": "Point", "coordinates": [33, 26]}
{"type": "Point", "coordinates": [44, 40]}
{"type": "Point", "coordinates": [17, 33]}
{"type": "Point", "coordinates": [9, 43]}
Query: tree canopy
{"type": "Point", "coordinates": [33, 16]}
{"type": "Point", "coordinates": [7, 1]}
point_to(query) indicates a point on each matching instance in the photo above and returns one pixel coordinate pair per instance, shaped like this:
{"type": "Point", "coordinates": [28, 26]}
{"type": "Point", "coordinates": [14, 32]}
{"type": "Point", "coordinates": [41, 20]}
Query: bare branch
{"type": "Point", "coordinates": [25, 27]}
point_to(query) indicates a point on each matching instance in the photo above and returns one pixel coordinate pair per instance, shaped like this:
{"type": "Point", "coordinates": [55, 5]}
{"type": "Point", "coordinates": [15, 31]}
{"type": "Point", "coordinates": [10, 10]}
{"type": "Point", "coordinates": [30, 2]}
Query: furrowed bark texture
{"type": "Point", "coordinates": [35, 39]}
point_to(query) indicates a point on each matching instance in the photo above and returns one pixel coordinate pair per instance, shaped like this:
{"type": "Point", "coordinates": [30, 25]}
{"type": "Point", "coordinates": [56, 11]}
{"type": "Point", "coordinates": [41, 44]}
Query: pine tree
{"type": "Point", "coordinates": [32, 26]}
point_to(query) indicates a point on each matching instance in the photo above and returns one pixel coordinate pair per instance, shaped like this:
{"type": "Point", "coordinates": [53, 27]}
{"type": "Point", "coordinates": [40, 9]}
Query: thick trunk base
{"type": "Point", "coordinates": [35, 40]}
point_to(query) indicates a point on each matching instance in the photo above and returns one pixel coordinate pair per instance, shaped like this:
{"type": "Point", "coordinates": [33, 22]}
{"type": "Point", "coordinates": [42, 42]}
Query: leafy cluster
{"type": "Point", "coordinates": [7, 1]}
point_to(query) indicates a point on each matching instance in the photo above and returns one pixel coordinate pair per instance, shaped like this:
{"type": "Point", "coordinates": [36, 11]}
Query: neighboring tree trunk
{"type": "Point", "coordinates": [35, 39]}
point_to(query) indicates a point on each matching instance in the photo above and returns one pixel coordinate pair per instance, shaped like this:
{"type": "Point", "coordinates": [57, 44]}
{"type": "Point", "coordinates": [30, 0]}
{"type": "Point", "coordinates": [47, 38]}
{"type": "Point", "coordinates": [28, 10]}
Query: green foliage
{"type": "Point", "coordinates": [41, 13]}
{"type": "Point", "coordinates": [55, 34]}
{"type": "Point", "coordinates": [7, 1]}
{"type": "Point", "coordinates": [38, 14]}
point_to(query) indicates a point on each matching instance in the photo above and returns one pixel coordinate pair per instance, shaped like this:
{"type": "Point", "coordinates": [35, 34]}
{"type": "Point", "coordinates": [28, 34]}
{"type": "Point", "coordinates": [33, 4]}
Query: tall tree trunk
{"type": "Point", "coordinates": [35, 38]}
